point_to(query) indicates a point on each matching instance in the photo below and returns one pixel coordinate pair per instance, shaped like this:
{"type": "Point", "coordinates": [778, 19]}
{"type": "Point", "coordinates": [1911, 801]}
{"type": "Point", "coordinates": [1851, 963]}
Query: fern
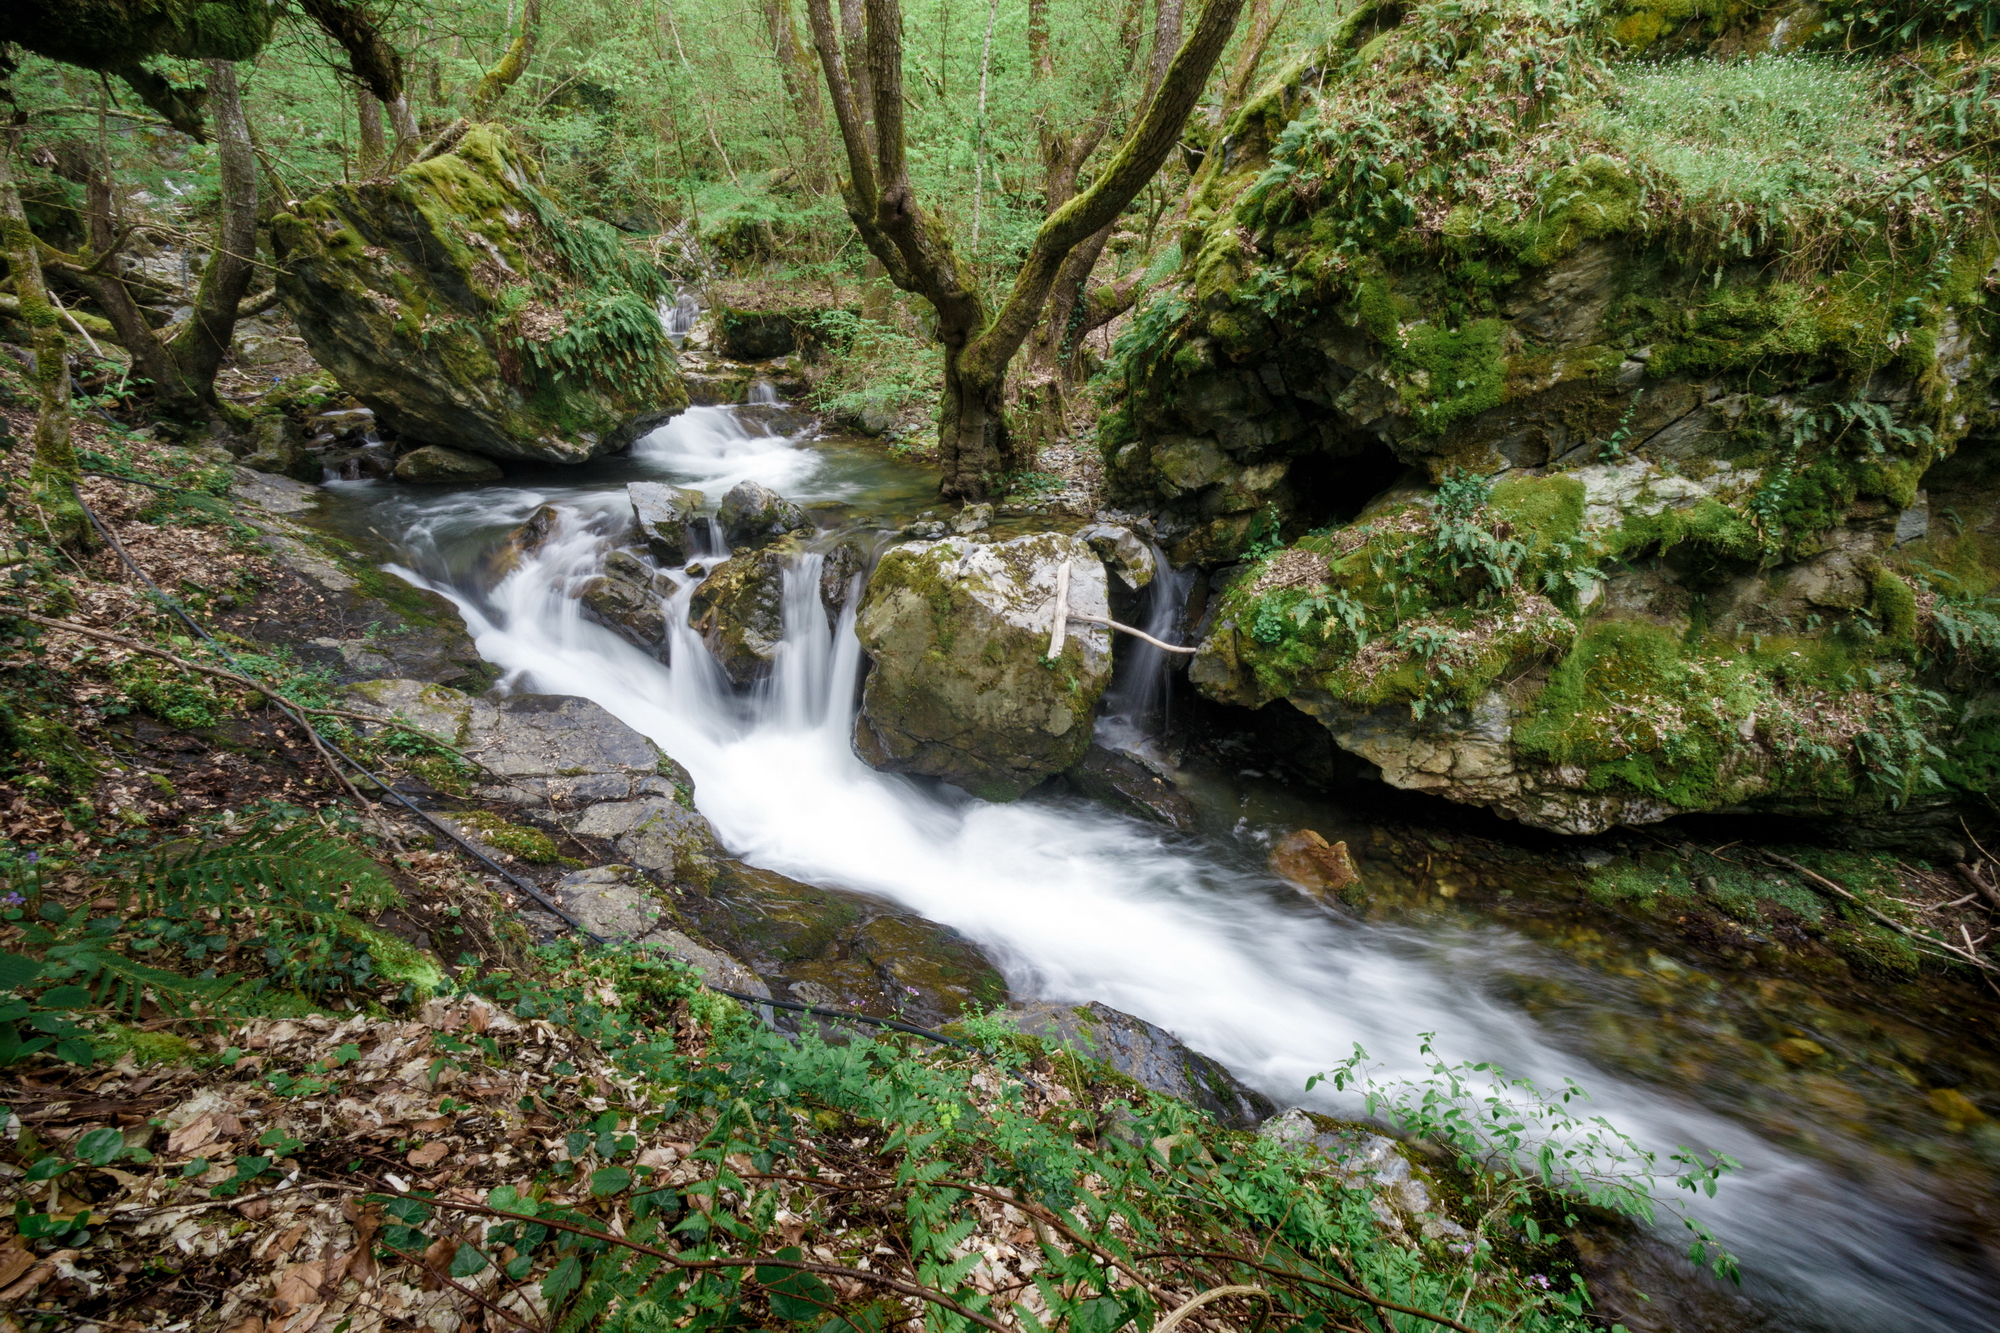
{"type": "Point", "coordinates": [301, 869]}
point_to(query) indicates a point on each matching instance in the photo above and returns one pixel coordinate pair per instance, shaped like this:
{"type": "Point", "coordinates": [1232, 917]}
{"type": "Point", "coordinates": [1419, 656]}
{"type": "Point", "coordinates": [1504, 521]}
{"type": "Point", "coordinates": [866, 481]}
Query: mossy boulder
{"type": "Point", "coordinates": [629, 598]}
{"type": "Point", "coordinates": [667, 517]}
{"type": "Point", "coordinates": [1557, 485]}
{"type": "Point", "coordinates": [739, 610]}
{"type": "Point", "coordinates": [462, 305]}
{"type": "Point", "coordinates": [962, 687]}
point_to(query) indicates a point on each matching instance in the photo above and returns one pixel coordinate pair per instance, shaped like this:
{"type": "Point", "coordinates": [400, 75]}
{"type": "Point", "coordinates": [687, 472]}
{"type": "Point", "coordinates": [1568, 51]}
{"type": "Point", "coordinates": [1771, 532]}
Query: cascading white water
{"type": "Point", "coordinates": [1078, 904]}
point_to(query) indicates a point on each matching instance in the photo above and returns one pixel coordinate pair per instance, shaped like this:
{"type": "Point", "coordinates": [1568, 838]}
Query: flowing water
{"type": "Point", "coordinates": [1075, 903]}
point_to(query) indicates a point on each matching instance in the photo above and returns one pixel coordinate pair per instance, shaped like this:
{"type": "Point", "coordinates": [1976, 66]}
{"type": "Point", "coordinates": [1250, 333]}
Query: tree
{"type": "Point", "coordinates": [974, 444]}
{"type": "Point", "coordinates": [54, 466]}
{"type": "Point", "coordinates": [182, 368]}
{"type": "Point", "coordinates": [378, 69]}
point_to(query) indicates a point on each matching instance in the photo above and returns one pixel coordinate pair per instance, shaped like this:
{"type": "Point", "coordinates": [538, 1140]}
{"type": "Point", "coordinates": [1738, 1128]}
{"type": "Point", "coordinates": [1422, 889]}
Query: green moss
{"type": "Point", "coordinates": [1895, 604]}
{"type": "Point", "coordinates": [1452, 374]}
{"type": "Point", "coordinates": [1542, 509]}
{"type": "Point", "coordinates": [145, 1048]}
{"type": "Point", "coordinates": [530, 845]}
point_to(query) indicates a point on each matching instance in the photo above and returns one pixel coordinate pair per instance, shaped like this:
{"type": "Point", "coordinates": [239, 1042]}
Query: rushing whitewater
{"type": "Point", "coordinates": [1075, 903]}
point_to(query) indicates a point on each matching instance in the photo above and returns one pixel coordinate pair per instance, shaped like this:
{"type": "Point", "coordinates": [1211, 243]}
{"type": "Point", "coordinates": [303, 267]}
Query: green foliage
{"type": "Point", "coordinates": [879, 368]}
{"type": "Point", "coordinates": [1528, 1140]}
{"type": "Point", "coordinates": [939, 1125]}
{"type": "Point", "coordinates": [285, 901]}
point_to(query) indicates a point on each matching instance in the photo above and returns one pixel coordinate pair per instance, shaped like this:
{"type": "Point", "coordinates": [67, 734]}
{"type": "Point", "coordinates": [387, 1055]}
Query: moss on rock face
{"type": "Point", "coordinates": [1644, 330]}
{"type": "Point", "coordinates": [962, 687]}
{"type": "Point", "coordinates": [466, 310]}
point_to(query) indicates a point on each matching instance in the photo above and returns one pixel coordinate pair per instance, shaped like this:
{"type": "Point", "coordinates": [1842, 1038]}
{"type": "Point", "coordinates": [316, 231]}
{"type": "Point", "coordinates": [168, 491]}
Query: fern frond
{"type": "Point", "coordinates": [301, 868]}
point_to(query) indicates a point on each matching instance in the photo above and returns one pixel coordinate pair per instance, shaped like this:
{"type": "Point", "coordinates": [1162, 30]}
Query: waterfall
{"type": "Point", "coordinates": [764, 394]}
{"type": "Point", "coordinates": [678, 319]}
{"type": "Point", "coordinates": [1139, 698]}
{"type": "Point", "coordinates": [1074, 903]}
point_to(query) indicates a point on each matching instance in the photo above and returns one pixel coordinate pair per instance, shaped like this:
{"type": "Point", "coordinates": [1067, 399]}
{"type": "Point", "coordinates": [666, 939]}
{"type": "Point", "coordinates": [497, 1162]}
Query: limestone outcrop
{"type": "Point", "coordinates": [457, 301]}
{"type": "Point", "coordinates": [961, 686]}
{"type": "Point", "coordinates": [1531, 500]}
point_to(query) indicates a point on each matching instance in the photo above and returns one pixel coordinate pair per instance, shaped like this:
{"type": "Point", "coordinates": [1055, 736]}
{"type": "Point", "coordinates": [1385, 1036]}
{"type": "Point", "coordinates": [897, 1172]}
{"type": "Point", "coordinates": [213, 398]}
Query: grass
{"type": "Point", "coordinates": [1774, 134]}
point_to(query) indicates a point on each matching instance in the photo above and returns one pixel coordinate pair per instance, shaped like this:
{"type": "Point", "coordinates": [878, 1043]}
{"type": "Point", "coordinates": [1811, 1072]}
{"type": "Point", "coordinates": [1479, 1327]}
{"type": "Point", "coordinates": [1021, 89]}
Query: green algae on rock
{"type": "Point", "coordinates": [458, 302]}
{"type": "Point", "coordinates": [962, 687]}
{"type": "Point", "coordinates": [1674, 392]}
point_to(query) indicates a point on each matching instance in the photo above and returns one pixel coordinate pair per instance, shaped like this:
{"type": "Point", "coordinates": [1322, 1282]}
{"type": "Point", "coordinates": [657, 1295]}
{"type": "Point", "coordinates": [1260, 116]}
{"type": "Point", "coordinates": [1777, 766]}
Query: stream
{"type": "Point", "coordinates": [1189, 931]}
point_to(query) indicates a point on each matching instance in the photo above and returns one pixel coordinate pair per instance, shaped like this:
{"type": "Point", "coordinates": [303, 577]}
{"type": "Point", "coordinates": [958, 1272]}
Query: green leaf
{"type": "Point", "coordinates": [48, 1168]}
{"type": "Point", "coordinates": [76, 1051]}
{"type": "Point", "coordinates": [17, 970]}
{"type": "Point", "coordinates": [610, 1180]}
{"type": "Point", "coordinates": [468, 1261]}
{"type": "Point", "coordinates": [518, 1267]}
{"type": "Point", "coordinates": [65, 997]}
{"type": "Point", "coordinates": [795, 1295]}
{"type": "Point", "coordinates": [198, 1167]}
{"type": "Point", "coordinates": [100, 1147]}
{"type": "Point", "coordinates": [563, 1279]}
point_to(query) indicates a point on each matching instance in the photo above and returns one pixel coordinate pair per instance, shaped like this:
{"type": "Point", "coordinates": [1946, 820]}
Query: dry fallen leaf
{"type": "Point", "coordinates": [298, 1286]}
{"type": "Point", "coordinates": [429, 1155]}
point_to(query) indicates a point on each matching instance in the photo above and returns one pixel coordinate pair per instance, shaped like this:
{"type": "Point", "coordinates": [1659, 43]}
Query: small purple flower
{"type": "Point", "coordinates": [34, 856]}
{"type": "Point", "coordinates": [911, 989]}
{"type": "Point", "coordinates": [12, 900]}
{"type": "Point", "coordinates": [1540, 1281]}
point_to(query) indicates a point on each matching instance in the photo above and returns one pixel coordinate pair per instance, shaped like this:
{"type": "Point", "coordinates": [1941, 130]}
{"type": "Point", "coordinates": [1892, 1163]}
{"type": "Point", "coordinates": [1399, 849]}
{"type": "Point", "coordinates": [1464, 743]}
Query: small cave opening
{"type": "Point", "coordinates": [1332, 487]}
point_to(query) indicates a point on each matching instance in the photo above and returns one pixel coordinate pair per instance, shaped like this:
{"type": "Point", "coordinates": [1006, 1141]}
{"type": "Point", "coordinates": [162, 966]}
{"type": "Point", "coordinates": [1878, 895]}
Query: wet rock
{"type": "Point", "coordinates": [1130, 786]}
{"type": "Point", "coordinates": [1123, 551]}
{"type": "Point", "coordinates": [973, 518]}
{"type": "Point", "coordinates": [1145, 1053]}
{"type": "Point", "coordinates": [436, 465]}
{"type": "Point", "coordinates": [961, 688]}
{"type": "Point", "coordinates": [353, 620]}
{"type": "Point", "coordinates": [522, 542]}
{"type": "Point", "coordinates": [545, 748]}
{"type": "Point", "coordinates": [842, 950]}
{"type": "Point", "coordinates": [274, 493]}
{"type": "Point", "coordinates": [667, 517]}
{"type": "Point", "coordinates": [618, 903]}
{"type": "Point", "coordinates": [277, 446]}
{"type": "Point", "coordinates": [367, 462]}
{"type": "Point", "coordinates": [752, 515]}
{"type": "Point", "coordinates": [657, 834]}
{"type": "Point", "coordinates": [739, 610]}
{"type": "Point", "coordinates": [627, 597]}
{"type": "Point", "coordinates": [409, 288]}
{"type": "Point", "coordinates": [1361, 1160]}
{"type": "Point", "coordinates": [1321, 868]}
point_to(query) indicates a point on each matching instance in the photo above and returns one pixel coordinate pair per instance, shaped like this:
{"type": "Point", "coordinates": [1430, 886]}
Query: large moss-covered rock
{"type": "Point", "coordinates": [456, 301]}
{"type": "Point", "coordinates": [962, 687]}
{"type": "Point", "coordinates": [1547, 505]}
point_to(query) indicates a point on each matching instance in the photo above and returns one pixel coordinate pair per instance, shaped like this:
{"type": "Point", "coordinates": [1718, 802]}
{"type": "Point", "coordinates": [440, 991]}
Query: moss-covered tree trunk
{"type": "Point", "coordinates": [54, 467]}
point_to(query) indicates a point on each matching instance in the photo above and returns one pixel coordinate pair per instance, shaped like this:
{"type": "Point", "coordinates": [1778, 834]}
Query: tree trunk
{"type": "Point", "coordinates": [795, 72]}
{"type": "Point", "coordinates": [975, 448]}
{"type": "Point", "coordinates": [54, 466]}
{"type": "Point", "coordinates": [376, 64]}
{"type": "Point", "coordinates": [374, 154]}
{"type": "Point", "coordinates": [511, 65]}
{"type": "Point", "coordinates": [198, 349]}
{"type": "Point", "coordinates": [918, 254]}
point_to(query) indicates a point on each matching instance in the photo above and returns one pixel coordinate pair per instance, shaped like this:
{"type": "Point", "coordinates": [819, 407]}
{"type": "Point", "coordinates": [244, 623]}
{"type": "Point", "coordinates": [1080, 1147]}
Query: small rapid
{"type": "Point", "coordinates": [1074, 903]}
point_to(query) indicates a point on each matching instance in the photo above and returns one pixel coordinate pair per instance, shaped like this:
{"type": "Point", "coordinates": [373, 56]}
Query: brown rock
{"type": "Point", "coordinates": [1321, 868]}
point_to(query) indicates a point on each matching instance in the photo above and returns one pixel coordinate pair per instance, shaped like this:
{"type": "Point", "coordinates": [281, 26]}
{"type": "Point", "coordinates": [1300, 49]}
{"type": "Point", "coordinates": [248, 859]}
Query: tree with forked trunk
{"type": "Point", "coordinates": [974, 443]}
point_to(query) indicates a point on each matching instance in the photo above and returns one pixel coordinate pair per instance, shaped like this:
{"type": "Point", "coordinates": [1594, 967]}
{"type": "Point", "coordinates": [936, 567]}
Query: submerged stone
{"type": "Point", "coordinates": [962, 687]}
{"type": "Point", "coordinates": [436, 465]}
{"type": "Point", "coordinates": [1130, 786]}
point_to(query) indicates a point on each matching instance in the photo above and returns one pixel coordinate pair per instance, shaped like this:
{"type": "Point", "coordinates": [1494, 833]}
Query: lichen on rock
{"type": "Point", "coordinates": [462, 305]}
